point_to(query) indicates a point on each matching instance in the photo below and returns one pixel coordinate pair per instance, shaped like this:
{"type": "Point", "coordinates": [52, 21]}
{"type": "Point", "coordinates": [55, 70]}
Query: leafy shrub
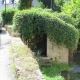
{"type": "Point", "coordinates": [78, 21]}
{"type": "Point", "coordinates": [23, 23]}
{"type": "Point", "coordinates": [65, 17]}
{"type": "Point", "coordinates": [8, 15]}
{"type": "Point", "coordinates": [62, 33]}
{"type": "Point", "coordinates": [39, 22]}
{"type": "Point", "coordinates": [29, 23]}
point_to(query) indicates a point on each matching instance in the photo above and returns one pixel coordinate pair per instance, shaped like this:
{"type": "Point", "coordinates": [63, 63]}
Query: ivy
{"type": "Point", "coordinates": [39, 22]}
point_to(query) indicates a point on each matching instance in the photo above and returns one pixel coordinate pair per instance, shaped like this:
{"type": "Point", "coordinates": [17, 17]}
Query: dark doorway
{"type": "Point", "coordinates": [39, 43]}
{"type": "Point", "coordinates": [42, 44]}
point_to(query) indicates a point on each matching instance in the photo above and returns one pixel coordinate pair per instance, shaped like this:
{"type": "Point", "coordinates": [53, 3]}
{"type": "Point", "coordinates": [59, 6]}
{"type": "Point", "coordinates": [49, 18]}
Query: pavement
{"type": "Point", "coordinates": [5, 57]}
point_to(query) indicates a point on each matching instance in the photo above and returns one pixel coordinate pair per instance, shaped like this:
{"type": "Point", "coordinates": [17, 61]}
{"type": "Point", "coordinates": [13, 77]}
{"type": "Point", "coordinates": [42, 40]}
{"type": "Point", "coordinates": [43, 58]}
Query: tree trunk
{"type": "Point", "coordinates": [29, 3]}
{"type": "Point", "coordinates": [70, 58]}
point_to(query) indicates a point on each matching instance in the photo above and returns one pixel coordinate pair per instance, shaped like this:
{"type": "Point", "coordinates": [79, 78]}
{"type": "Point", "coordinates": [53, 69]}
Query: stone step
{"type": "Point", "coordinates": [45, 61]}
{"type": "Point", "coordinates": [45, 58]}
{"type": "Point", "coordinates": [45, 65]}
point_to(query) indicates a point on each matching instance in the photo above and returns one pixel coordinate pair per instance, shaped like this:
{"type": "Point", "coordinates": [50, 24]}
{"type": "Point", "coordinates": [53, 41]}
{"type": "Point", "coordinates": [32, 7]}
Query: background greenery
{"type": "Point", "coordinates": [24, 4]}
{"type": "Point", "coordinates": [54, 72]}
{"type": "Point", "coordinates": [8, 15]}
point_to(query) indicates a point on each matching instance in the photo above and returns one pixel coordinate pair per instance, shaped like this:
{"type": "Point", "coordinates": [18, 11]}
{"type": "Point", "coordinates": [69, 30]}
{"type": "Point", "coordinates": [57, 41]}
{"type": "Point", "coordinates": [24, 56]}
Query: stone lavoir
{"type": "Point", "coordinates": [58, 54]}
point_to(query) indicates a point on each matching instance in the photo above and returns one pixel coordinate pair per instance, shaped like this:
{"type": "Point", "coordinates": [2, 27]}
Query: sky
{"type": "Point", "coordinates": [8, 1]}
{"type": "Point", "coordinates": [2, 6]}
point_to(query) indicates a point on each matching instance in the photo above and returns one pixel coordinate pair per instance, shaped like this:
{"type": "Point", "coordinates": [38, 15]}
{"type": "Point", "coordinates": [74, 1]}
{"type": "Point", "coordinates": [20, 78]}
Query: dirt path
{"type": "Point", "coordinates": [5, 60]}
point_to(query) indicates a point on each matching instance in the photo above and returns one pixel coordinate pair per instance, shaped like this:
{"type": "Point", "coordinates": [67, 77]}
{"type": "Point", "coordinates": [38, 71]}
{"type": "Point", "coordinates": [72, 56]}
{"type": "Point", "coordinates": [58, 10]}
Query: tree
{"type": "Point", "coordinates": [47, 3]}
{"type": "Point", "coordinates": [24, 4]}
{"type": "Point", "coordinates": [72, 8]}
{"type": "Point", "coordinates": [52, 4]}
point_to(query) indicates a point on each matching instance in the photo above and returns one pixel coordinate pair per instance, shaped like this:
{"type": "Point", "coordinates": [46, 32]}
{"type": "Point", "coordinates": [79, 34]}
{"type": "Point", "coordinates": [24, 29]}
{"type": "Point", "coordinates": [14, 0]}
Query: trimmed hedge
{"type": "Point", "coordinates": [36, 21]}
{"type": "Point", "coordinates": [62, 33]}
{"type": "Point", "coordinates": [29, 23]}
{"type": "Point", "coordinates": [64, 17]}
{"type": "Point", "coordinates": [9, 16]}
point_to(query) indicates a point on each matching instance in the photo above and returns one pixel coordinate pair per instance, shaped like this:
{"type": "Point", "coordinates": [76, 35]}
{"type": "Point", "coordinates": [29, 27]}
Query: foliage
{"type": "Point", "coordinates": [77, 21]}
{"type": "Point", "coordinates": [59, 2]}
{"type": "Point", "coordinates": [23, 23]}
{"type": "Point", "coordinates": [29, 23]}
{"type": "Point", "coordinates": [54, 72]}
{"type": "Point", "coordinates": [65, 17]}
{"type": "Point", "coordinates": [13, 68]}
{"type": "Point", "coordinates": [62, 33]}
{"type": "Point", "coordinates": [24, 4]}
{"type": "Point", "coordinates": [8, 15]}
{"type": "Point", "coordinates": [0, 18]}
{"type": "Point", "coordinates": [51, 4]}
{"type": "Point", "coordinates": [72, 8]}
{"type": "Point", "coordinates": [39, 22]}
{"type": "Point", "coordinates": [38, 53]}
{"type": "Point", "coordinates": [67, 8]}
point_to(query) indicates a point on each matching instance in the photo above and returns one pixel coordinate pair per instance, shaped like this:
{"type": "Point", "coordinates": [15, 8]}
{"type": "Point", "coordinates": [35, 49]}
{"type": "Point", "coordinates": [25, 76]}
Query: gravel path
{"type": "Point", "coordinates": [5, 61]}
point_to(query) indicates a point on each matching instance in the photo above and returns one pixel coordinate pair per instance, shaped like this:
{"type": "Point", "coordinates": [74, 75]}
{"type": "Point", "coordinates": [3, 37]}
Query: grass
{"type": "Point", "coordinates": [28, 63]}
{"type": "Point", "coordinates": [10, 50]}
{"type": "Point", "coordinates": [54, 72]}
{"type": "Point", "coordinates": [74, 76]}
{"type": "Point", "coordinates": [19, 51]}
{"type": "Point", "coordinates": [24, 61]}
{"type": "Point", "coordinates": [13, 68]}
{"type": "Point", "coordinates": [20, 78]}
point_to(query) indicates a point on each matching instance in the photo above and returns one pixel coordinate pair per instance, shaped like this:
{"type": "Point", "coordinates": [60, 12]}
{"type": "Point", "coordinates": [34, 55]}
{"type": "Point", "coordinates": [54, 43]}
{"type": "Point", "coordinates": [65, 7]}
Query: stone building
{"type": "Point", "coordinates": [59, 54]}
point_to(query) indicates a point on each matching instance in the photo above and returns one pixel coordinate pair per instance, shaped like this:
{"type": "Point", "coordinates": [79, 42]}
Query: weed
{"type": "Point", "coordinates": [22, 56]}
{"type": "Point", "coordinates": [13, 68]}
{"type": "Point", "coordinates": [20, 78]}
{"type": "Point", "coordinates": [38, 53]}
{"type": "Point", "coordinates": [10, 50]}
{"type": "Point", "coordinates": [54, 72]}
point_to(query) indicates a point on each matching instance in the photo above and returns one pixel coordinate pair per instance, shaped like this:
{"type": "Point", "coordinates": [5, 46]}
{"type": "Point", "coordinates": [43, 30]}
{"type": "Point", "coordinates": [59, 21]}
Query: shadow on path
{"type": "Point", "coordinates": [3, 32]}
{"type": "Point", "coordinates": [5, 57]}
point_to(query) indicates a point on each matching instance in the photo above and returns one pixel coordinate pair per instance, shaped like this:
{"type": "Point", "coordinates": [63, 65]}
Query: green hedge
{"type": "Point", "coordinates": [62, 33]}
{"type": "Point", "coordinates": [38, 21]}
{"type": "Point", "coordinates": [29, 23]}
{"type": "Point", "coordinates": [9, 16]}
{"type": "Point", "coordinates": [64, 17]}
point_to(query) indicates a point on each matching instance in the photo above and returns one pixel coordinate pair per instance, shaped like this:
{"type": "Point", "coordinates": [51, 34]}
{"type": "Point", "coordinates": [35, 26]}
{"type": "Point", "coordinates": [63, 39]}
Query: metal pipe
{"type": "Point", "coordinates": [5, 13]}
{"type": "Point", "coordinates": [52, 4]}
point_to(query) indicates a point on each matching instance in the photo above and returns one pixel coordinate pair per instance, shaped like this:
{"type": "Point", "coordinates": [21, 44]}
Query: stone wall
{"type": "Point", "coordinates": [57, 53]}
{"type": "Point", "coordinates": [9, 29]}
{"type": "Point", "coordinates": [11, 32]}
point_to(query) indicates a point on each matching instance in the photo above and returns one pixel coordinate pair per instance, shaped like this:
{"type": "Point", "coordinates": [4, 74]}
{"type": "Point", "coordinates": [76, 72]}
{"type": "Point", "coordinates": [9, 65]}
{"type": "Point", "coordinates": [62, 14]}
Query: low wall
{"type": "Point", "coordinates": [9, 29]}
{"type": "Point", "coordinates": [11, 32]}
{"type": "Point", "coordinates": [58, 54]}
